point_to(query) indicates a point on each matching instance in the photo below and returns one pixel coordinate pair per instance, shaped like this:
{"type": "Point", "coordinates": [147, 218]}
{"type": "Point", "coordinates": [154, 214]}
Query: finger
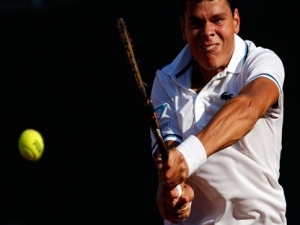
{"type": "Point", "coordinates": [175, 192]}
{"type": "Point", "coordinates": [188, 192]}
{"type": "Point", "coordinates": [181, 213]}
{"type": "Point", "coordinates": [159, 162]}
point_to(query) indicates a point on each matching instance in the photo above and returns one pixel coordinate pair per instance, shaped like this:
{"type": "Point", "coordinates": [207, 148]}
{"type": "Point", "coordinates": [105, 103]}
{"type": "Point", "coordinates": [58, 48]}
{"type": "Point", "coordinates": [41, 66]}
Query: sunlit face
{"type": "Point", "coordinates": [209, 27]}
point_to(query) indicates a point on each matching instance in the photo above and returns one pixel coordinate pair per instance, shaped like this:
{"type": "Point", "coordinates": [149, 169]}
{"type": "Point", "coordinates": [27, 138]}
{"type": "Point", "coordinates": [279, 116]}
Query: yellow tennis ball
{"type": "Point", "coordinates": [31, 144]}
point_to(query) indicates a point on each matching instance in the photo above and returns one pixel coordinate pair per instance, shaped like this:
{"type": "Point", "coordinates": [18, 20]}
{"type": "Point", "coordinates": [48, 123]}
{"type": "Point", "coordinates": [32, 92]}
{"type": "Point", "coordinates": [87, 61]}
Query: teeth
{"type": "Point", "coordinates": [209, 47]}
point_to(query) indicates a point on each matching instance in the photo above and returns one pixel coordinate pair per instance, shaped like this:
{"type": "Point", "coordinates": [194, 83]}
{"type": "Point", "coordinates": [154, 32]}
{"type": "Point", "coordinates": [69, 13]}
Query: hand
{"type": "Point", "coordinates": [174, 171]}
{"type": "Point", "coordinates": [173, 207]}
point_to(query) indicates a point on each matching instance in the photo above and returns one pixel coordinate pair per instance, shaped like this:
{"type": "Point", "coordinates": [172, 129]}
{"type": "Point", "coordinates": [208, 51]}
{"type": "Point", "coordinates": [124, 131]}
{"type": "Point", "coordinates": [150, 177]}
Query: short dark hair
{"type": "Point", "coordinates": [182, 5]}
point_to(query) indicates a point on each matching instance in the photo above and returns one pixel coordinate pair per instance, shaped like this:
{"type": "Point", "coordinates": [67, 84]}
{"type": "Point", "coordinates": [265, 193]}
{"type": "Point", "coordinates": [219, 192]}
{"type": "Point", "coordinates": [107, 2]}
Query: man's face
{"type": "Point", "coordinates": [209, 27]}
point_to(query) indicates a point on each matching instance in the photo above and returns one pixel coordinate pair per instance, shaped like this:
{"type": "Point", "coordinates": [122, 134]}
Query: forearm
{"type": "Point", "coordinates": [236, 118]}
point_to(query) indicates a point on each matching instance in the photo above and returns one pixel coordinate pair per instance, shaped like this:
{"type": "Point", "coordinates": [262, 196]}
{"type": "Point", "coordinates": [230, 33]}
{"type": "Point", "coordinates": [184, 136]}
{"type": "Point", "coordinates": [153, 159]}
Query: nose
{"type": "Point", "coordinates": [208, 29]}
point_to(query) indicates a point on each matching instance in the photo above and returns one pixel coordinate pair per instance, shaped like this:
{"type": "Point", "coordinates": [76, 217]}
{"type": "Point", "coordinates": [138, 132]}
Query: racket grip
{"type": "Point", "coordinates": [179, 190]}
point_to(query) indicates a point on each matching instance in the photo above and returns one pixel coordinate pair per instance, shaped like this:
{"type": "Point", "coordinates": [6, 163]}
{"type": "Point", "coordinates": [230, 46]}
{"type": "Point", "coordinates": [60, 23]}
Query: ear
{"type": "Point", "coordinates": [182, 26]}
{"type": "Point", "coordinates": [236, 20]}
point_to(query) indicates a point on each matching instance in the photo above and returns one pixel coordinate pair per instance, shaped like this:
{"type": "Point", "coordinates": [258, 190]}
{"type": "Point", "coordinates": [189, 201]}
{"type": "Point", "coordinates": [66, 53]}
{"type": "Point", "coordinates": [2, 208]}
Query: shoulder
{"type": "Point", "coordinates": [261, 53]}
{"type": "Point", "coordinates": [265, 62]}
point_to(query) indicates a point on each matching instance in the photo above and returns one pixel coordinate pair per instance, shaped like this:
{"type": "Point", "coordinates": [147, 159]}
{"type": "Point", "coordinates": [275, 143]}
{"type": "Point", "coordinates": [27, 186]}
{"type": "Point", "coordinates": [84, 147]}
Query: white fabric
{"type": "Point", "coordinates": [238, 185]}
{"type": "Point", "coordinates": [193, 152]}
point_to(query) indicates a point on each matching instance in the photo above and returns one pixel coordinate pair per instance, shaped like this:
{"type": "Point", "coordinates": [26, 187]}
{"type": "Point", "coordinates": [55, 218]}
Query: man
{"type": "Point", "coordinates": [220, 107]}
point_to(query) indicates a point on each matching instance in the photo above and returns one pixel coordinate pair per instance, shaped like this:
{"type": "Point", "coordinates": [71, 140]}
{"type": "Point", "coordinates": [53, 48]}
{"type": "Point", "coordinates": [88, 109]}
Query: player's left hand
{"type": "Point", "coordinates": [173, 206]}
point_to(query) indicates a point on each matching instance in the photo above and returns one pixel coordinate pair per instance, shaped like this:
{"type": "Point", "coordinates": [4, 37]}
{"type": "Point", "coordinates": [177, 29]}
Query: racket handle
{"type": "Point", "coordinates": [178, 189]}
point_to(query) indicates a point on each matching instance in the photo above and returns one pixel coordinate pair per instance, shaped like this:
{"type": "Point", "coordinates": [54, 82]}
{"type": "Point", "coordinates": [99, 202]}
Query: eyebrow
{"type": "Point", "coordinates": [192, 17]}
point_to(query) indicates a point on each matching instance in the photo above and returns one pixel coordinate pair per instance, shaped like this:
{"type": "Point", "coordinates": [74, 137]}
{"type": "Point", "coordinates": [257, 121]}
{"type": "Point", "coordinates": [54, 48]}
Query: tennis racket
{"type": "Point", "coordinates": [149, 109]}
{"type": "Point", "coordinates": [150, 112]}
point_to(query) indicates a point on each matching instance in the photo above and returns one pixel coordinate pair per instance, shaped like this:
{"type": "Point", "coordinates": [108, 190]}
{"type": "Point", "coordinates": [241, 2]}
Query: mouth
{"type": "Point", "coordinates": [208, 47]}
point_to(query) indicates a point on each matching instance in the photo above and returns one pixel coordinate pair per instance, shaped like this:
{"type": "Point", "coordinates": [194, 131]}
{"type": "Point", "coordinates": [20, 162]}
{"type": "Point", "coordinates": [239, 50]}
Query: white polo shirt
{"type": "Point", "coordinates": [238, 185]}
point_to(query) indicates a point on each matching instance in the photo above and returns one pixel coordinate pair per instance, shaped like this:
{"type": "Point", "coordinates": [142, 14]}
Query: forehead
{"type": "Point", "coordinates": [199, 1]}
{"type": "Point", "coordinates": [206, 5]}
{"type": "Point", "coordinates": [206, 2]}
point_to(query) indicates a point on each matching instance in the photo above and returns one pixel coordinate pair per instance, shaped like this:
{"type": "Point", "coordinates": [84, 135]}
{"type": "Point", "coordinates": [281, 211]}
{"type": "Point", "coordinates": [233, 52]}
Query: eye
{"type": "Point", "coordinates": [196, 23]}
{"type": "Point", "coordinates": [218, 20]}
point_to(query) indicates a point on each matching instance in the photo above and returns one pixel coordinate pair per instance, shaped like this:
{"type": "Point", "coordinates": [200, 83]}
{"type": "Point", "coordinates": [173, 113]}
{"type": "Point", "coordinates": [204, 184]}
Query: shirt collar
{"type": "Point", "coordinates": [239, 55]}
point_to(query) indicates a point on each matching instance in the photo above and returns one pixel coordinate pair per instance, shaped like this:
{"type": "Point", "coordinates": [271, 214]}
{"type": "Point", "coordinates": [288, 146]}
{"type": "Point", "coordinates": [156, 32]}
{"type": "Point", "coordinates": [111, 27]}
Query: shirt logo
{"type": "Point", "coordinates": [159, 110]}
{"type": "Point", "coordinates": [225, 96]}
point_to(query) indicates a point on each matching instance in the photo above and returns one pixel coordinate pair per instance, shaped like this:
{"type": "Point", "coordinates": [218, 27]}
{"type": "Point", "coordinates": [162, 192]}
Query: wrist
{"type": "Point", "coordinates": [193, 153]}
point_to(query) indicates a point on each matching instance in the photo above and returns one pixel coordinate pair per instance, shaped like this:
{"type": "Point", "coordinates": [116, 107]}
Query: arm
{"type": "Point", "coordinates": [231, 123]}
{"type": "Point", "coordinates": [239, 115]}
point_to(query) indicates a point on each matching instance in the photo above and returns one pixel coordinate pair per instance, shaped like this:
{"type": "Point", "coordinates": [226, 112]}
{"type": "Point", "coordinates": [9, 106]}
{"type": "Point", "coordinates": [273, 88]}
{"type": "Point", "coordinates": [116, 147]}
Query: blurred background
{"type": "Point", "coordinates": [65, 74]}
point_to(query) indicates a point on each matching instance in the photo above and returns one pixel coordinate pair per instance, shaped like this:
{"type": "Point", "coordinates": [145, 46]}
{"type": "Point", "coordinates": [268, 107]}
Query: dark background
{"type": "Point", "coordinates": [65, 74]}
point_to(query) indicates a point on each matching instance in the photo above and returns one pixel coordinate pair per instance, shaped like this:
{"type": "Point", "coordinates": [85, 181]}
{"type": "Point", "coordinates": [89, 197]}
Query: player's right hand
{"type": "Point", "coordinates": [174, 170]}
